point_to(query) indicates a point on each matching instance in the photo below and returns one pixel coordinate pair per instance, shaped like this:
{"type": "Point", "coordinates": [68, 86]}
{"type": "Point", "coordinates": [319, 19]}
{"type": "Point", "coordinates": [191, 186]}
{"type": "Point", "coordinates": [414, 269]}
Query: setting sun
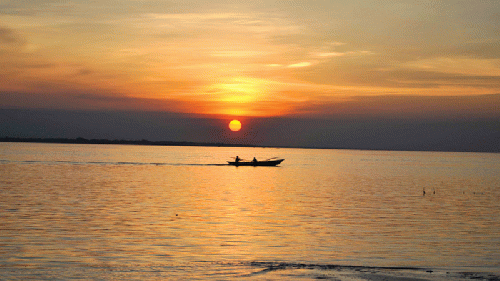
{"type": "Point", "coordinates": [235, 125]}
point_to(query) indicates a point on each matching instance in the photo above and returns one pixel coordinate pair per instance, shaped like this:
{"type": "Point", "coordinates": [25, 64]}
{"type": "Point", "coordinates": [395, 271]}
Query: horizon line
{"type": "Point", "coordinates": [81, 140]}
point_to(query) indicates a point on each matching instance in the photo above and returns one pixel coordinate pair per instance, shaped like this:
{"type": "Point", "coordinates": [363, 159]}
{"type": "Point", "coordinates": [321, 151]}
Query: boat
{"type": "Point", "coordinates": [256, 163]}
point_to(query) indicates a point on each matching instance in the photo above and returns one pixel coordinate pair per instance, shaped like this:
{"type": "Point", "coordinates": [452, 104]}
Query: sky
{"type": "Point", "coordinates": [250, 60]}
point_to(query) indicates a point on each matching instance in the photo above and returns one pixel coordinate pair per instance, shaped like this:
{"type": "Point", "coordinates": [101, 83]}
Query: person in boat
{"type": "Point", "coordinates": [254, 160]}
{"type": "Point", "coordinates": [237, 159]}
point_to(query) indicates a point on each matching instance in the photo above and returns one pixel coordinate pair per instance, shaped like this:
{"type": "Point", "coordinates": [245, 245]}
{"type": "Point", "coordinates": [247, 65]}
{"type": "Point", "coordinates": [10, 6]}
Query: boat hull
{"type": "Point", "coordinates": [258, 163]}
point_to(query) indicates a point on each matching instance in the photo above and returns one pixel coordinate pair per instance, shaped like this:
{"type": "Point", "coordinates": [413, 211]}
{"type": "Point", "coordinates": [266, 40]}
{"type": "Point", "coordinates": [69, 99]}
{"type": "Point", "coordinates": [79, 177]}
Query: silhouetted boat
{"type": "Point", "coordinates": [256, 163]}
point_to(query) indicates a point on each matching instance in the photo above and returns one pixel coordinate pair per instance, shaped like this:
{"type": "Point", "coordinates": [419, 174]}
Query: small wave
{"type": "Point", "coordinates": [120, 163]}
{"type": "Point", "coordinates": [286, 265]}
{"type": "Point", "coordinates": [347, 272]}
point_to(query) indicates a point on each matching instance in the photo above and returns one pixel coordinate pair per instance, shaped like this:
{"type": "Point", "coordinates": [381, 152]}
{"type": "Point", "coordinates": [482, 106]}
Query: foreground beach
{"type": "Point", "coordinates": [280, 271]}
{"type": "Point", "coordinates": [202, 270]}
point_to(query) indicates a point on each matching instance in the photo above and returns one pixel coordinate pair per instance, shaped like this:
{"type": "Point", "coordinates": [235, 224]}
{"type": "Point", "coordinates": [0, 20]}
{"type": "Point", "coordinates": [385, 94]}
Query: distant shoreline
{"type": "Point", "coordinates": [81, 140]}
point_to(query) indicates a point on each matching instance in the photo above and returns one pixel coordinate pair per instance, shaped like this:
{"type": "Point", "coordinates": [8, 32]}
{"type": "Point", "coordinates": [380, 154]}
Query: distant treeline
{"type": "Point", "coordinates": [106, 141]}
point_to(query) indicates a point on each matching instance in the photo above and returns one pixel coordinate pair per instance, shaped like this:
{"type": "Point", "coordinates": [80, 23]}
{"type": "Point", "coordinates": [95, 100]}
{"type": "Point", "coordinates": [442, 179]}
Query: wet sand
{"type": "Point", "coordinates": [279, 271]}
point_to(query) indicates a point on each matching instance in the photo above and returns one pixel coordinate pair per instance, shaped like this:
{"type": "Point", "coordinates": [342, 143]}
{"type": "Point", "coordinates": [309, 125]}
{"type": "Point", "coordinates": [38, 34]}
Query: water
{"type": "Point", "coordinates": [103, 212]}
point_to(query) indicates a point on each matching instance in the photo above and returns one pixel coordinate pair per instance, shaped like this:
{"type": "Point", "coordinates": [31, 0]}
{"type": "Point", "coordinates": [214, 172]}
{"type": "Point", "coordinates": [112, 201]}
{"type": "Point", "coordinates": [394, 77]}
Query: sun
{"type": "Point", "coordinates": [235, 125]}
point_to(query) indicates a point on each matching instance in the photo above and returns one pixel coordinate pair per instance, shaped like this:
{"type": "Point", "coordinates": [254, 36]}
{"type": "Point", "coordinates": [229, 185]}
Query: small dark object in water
{"type": "Point", "coordinates": [256, 163]}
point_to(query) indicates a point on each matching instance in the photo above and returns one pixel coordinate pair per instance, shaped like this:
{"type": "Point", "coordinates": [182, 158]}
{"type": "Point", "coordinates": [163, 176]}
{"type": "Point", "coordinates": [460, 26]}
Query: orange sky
{"type": "Point", "coordinates": [267, 58]}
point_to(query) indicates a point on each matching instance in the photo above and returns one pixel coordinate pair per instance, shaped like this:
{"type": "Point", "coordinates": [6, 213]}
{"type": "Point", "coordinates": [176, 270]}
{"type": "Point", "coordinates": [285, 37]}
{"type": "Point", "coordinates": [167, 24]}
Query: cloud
{"type": "Point", "coordinates": [336, 44]}
{"type": "Point", "coordinates": [143, 48]}
{"type": "Point", "coordinates": [457, 65]}
{"type": "Point", "coordinates": [405, 106]}
{"type": "Point", "coordinates": [342, 54]}
{"type": "Point", "coordinates": [462, 73]}
{"type": "Point", "coordinates": [237, 23]}
{"type": "Point", "coordinates": [331, 54]}
{"type": "Point", "coordinates": [10, 39]}
{"type": "Point", "coordinates": [300, 64]}
{"type": "Point", "coordinates": [7, 36]}
{"type": "Point", "coordinates": [431, 79]}
{"type": "Point", "coordinates": [86, 100]}
{"type": "Point", "coordinates": [196, 17]}
{"type": "Point", "coordinates": [237, 53]}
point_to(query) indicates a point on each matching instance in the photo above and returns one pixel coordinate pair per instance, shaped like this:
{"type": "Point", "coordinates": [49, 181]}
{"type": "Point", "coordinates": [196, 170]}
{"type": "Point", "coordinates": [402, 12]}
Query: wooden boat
{"type": "Point", "coordinates": [256, 163]}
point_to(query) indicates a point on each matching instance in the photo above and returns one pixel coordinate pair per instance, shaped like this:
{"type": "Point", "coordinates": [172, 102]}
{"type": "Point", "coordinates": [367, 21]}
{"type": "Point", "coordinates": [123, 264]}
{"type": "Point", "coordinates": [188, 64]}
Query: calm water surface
{"type": "Point", "coordinates": [144, 212]}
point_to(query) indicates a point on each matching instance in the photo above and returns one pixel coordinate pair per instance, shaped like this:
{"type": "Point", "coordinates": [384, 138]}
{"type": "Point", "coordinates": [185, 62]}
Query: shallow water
{"type": "Point", "coordinates": [144, 212]}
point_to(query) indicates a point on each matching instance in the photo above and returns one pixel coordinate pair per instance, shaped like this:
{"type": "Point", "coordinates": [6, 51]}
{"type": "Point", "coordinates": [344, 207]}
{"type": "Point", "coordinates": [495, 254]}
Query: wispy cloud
{"type": "Point", "coordinates": [300, 64]}
{"type": "Point", "coordinates": [177, 50]}
{"type": "Point", "coordinates": [9, 38]}
{"type": "Point", "coordinates": [193, 16]}
{"type": "Point", "coordinates": [457, 65]}
{"type": "Point", "coordinates": [342, 54]}
{"type": "Point", "coordinates": [235, 22]}
{"type": "Point", "coordinates": [237, 53]}
{"type": "Point", "coordinates": [331, 54]}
